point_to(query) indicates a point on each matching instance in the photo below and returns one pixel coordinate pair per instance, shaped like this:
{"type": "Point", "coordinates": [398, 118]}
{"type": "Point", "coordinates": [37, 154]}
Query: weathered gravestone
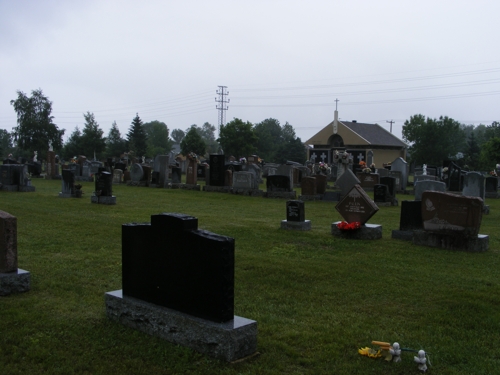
{"type": "Point", "coordinates": [357, 207]}
{"type": "Point", "coordinates": [381, 194]}
{"type": "Point", "coordinates": [14, 177]}
{"type": "Point", "coordinates": [308, 187]}
{"type": "Point", "coordinates": [181, 290]}
{"type": "Point", "coordinates": [12, 279]}
{"type": "Point", "coordinates": [103, 193]}
{"type": "Point", "coordinates": [320, 183]}
{"type": "Point", "coordinates": [279, 186]}
{"type": "Point", "coordinates": [400, 165]}
{"type": "Point", "coordinates": [455, 179]}
{"type": "Point", "coordinates": [428, 185]}
{"type": "Point", "coordinates": [368, 180]}
{"type": "Point", "coordinates": [295, 216]}
{"type": "Point", "coordinates": [176, 175]}
{"type": "Point", "coordinates": [117, 176]}
{"type": "Point", "coordinates": [473, 185]}
{"type": "Point", "coordinates": [391, 185]}
{"type": "Point", "coordinates": [427, 177]}
{"type": "Point", "coordinates": [451, 222]}
{"type": "Point", "coordinates": [397, 175]}
{"type": "Point", "coordinates": [382, 172]}
{"type": "Point", "coordinates": [191, 172]}
{"type": "Point", "coordinates": [136, 173]}
{"type": "Point", "coordinates": [163, 170]}
{"type": "Point", "coordinates": [244, 184]}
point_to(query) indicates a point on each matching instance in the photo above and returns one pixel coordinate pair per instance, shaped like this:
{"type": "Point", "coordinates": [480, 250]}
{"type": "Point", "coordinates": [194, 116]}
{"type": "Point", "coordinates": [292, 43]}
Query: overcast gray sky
{"type": "Point", "coordinates": [384, 60]}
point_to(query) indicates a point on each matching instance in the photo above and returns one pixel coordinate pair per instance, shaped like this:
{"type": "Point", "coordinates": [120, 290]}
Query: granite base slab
{"type": "Point", "coordinates": [491, 195]}
{"type": "Point", "coordinates": [66, 195]}
{"type": "Point", "coordinates": [26, 189]}
{"type": "Point", "coordinates": [228, 341]}
{"type": "Point", "coordinates": [103, 200]}
{"type": "Point", "coordinates": [184, 186]}
{"type": "Point", "coordinates": [280, 194]}
{"type": "Point", "coordinates": [451, 242]}
{"type": "Point", "coordinates": [14, 282]}
{"type": "Point", "coordinates": [405, 235]}
{"type": "Point", "coordinates": [366, 232]}
{"type": "Point", "coordinates": [248, 192]}
{"type": "Point", "coordinates": [217, 189]}
{"type": "Point", "coordinates": [9, 187]}
{"type": "Point", "coordinates": [316, 197]}
{"type": "Point", "coordinates": [296, 225]}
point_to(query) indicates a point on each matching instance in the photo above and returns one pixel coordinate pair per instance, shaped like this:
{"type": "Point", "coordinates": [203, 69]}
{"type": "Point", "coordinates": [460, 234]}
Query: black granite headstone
{"type": "Point", "coordinates": [455, 179]}
{"type": "Point", "coordinates": [121, 166]}
{"type": "Point", "coordinates": [155, 178]}
{"type": "Point", "coordinates": [200, 171]}
{"type": "Point", "coordinates": [217, 170]}
{"type": "Point", "coordinates": [391, 185]}
{"type": "Point", "coordinates": [104, 184]}
{"type": "Point", "coordinates": [295, 211]}
{"type": "Point", "coordinates": [172, 263]}
{"type": "Point", "coordinates": [278, 183]}
{"type": "Point", "coordinates": [411, 216]}
{"type": "Point", "coordinates": [381, 193]}
{"type": "Point", "coordinates": [68, 178]}
{"type": "Point", "coordinates": [491, 185]}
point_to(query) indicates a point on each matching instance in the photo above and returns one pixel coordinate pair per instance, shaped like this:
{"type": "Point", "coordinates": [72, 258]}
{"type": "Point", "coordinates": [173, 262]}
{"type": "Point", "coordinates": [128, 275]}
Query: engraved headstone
{"type": "Point", "coordinates": [136, 172]}
{"type": "Point", "coordinates": [473, 185]}
{"type": "Point", "coordinates": [400, 165]}
{"type": "Point", "coordinates": [243, 180]}
{"type": "Point", "coordinates": [217, 169]}
{"type": "Point", "coordinates": [295, 210]}
{"type": "Point", "coordinates": [278, 183]}
{"type": "Point", "coordinates": [347, 181]}
{"type": "Point", "coordinates": [368, 180]}
{"type": "Point", "coordinates": [8, 242]}
{"type": "Point", "coordinates": [308, 186]}
{"type": "Point", "coordinates": [320, 183]}
{"type": "Point", "coordinates": [356, 206]}
{"type": "Point", "coordinates": [428, 185]}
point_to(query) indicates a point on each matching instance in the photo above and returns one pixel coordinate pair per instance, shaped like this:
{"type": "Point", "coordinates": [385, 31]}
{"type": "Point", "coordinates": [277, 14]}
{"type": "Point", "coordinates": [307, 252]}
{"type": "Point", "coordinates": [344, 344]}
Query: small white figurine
{"type": "Point", "coordinates": [50, 146]}
{"type": "Point", "coordinates": [35, 156]}
{"type": "Point", "coordinates": [424, 170]}
{"type": "Point", "coordinates": [396, 352]}
{"type": "Point", "coordinates": [143, 160]}
{"type": "Point", "coordinates": [421, 360]}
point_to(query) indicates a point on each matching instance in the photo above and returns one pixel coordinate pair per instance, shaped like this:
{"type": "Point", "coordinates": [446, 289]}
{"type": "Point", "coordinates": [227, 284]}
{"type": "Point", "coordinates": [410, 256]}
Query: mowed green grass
{"type": "Point", "coordinates": [317, 299]}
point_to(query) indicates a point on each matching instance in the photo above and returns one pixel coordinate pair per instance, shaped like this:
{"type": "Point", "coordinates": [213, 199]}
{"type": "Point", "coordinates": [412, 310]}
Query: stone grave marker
{"type": "Point", "coordinates": [428, 185]}
{"type": "Point", "coordinates": [473, 185]}
{"type": "Point", "coordinates": [103, 193]}
{"type": "Point", "coordinates": [491, 187]}
{"type": "Point", "coordinates": [295, 216]}
{"type": "Point", "coordinates": [451, 222]}
{"type": "Point", "coordinates": [398, 179]}
{"type": "Point", "coordinates": [228, 177]}
{"type": "Point", "coordinates": [320, 183]}
{"type": "Point", "coordinates": [182, 289]}
{"type": "Point", "coordinates": [12, 279]}
{"type": "Point", "coordinates": [243, 180]}
{"type": "Point", "coordinates": [191, 172]}
{"type": "Point", "coordinates": [455, 179]}
{"type": "Point", "coordinates": [357, 207]}
{"type": "Point", "coordinates": [217, 170]}
{"type": "Point", "coordinates": [68, 184]}
{"type": "Point", "coordinates": [308, 186]}
{"type": "Point", "coordinates": [163, 170]}
{"type": "Point", "coordinates": [176, 175]}
{"type": "Point", "coordinates": [278, 183]}
{"type": "Point", "coordinates": [409, 221]}
{"type": "Point", "coordinates": [381, 194]}
{"type": "Point", "coordinates": [136, 173]}
{"type": "Point", "coordinates": [117, 176]}
{"type": "Point", "coordinates": [368, 180]}
{"type": "Point", "coordinates": [400, 165]}
{"type": "Point", "coordinates": [346, 182]}
{"type": "Point", "coordinates": [391, 184]}
{"type": "Point", "coordinates": [382, 172]}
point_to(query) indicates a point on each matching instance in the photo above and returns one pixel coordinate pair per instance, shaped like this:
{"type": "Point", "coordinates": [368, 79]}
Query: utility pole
{"type": "Point", "coordinates": [391, 122]}
{"type": "Point", "coordinates": [222, 107]}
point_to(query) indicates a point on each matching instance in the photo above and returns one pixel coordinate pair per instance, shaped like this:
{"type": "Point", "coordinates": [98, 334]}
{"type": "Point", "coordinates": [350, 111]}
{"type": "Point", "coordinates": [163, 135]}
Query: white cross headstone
{"type": "Point", "coordinates": [360, 157]}
{"type": "Point", "coordinates": [313, 158]}
{"type": "Point", "coordinates": [323, 157]}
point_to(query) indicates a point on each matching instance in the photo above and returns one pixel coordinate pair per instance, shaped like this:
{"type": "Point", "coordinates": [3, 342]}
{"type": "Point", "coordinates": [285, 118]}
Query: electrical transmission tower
{"type": "Point", "coordinates": [222, 106]}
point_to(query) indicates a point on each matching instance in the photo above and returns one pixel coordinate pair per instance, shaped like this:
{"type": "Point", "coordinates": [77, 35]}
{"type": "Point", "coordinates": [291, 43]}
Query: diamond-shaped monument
{"type": "Point", "coordinates": [357, 206]}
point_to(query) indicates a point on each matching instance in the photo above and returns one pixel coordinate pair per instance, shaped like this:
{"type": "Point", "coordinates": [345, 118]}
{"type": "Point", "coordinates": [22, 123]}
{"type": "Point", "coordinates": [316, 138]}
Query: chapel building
{"type": "Point", "coordinates": [370, 143]}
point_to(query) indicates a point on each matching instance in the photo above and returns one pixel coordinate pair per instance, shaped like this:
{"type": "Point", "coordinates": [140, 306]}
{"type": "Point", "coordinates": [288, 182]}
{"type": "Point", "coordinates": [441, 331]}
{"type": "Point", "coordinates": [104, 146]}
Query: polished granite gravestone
{"type": "Point", "coordinates": [68, 184]}
{"type": "Point", "coordinates": [12, 279]}
{"type": "Point", "coordinates": [308, 189]}
{"type": "Point", "coordinates": [181, 289]}
{"type": "Point", "coordinates": [279, 186]}
{"type": "Point", "coordinates": [491, 187]}
{"type": "Point", "coordinates": [295, 216]}
{"type": "Point", "coordinates": [357, 206]}
{"type": "Point", "coordinates": [368, 180]}
{"type": "Point", "coordinates": [244, 183]}
{"type": "Point", "coordinates": [451, 222]}
{"type": "Point", "coordinates": [346, 182]}
{"type": "Point", "coordinates": [409, 221]}
{"type": "Point", "coordinates": [217, 168]}
{"type": "Point", "coordinates": [14, 177]}
{"type": "Point", "coordinates": [428, 185]}
{"type": "Point", "coordinates": [103, 193]}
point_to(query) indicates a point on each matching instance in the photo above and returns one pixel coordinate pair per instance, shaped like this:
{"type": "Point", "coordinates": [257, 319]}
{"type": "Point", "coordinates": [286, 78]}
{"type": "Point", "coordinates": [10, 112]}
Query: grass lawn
{"type": "Point", "coordinates": [317, 299]}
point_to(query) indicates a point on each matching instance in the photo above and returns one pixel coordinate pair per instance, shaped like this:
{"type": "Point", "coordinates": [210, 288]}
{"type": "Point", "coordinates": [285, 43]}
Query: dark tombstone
{"type": "Point", "coordinates": [411, 216]}
{"type": "Point", "coordinates": [217, 168]}
{"type": "Point", "coordinates": [491, 184]}
{"type": "Point", "coordinates": [9, 161]}
{"type": "Point", "coordinates": [295, 211]}
{"type": "Point", "coordinates": [454, 182]}
{"type": "Point", "coordinates": [308, 186]}
{"type": "Point", "coordinates": [356, 206]}
{"type": "Point", "coordinates": [446, 213]}
{"type": "Point", "coordinates": [368, 180]}
{"type": "Point", "coordinates": [176, 175]}
{"type": "Point", "coordinates": [320, 183]}
{"type": "Point", "coordinates": [155, 178]}
{"type": "Point", "coordinates": [35, 169]}
{"type": "Point", "coordinates": [147, 174]}
{"type": "Point", "coordinates": [121, 166]}
{"type": "Point", "coordinates": [75, 168]}
{"type": "Point", "coordinates": [200, 172]}
{"type": "Point", "coordinates": [104, 184]}
{"type": "Point", "coordinates": [381, 193]}
{"type": "Point", "coordinates": [9, 174]}
{"type": "Point", "coordinates": [192, 272]}
{"type": "Point", "coordinates": [391, 184]}
{"type": "Point", "coordinates": [68, 182]}
{"type": "Point", "coordinates": [278, 183]}
{"type": "Point", "coordinates": [427, 185]}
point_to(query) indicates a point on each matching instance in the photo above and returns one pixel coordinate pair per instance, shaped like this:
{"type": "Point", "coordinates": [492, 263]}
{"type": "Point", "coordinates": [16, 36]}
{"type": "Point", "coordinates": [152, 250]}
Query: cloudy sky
{"type": "Point", "coordinates": [383, 60]}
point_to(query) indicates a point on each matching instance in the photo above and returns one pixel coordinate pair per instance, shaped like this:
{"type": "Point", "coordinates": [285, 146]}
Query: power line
{"type": "Point", "coordinates": [222, 107]}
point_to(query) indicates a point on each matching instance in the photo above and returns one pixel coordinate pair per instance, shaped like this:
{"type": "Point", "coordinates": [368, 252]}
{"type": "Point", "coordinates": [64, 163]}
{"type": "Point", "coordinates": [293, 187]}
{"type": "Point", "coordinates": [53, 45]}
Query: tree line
{"type": "Point", "coordinates": [36, 129]}
{"type": "Point", "coordinates": [433, 141]}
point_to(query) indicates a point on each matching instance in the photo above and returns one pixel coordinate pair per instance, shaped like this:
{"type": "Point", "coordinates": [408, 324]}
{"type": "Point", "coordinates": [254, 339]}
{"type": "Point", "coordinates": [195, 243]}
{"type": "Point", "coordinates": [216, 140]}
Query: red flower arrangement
{"type": "Point", "coordinates": [344, 225]}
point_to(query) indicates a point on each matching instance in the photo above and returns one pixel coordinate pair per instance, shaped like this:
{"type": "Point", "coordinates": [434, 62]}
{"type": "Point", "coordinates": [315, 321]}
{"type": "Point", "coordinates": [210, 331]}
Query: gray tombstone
{"type": "Point", "coordinates": [136, 172]}
{"type": "Point", "coordinates": [117, 176]}
{"type": "Point", "coordinates": [162, 162]}
{"type": "Point", "coordinates": [255, 169]}
{"type": "Point", "coordinates": [473, 185]}
{"type": "Point", "coordinates": [399, 178]}
{"type": "Point", "coordinates": [244, 180]}
{"type": "Point", "coordinates": [418, 178]}
{"type": "Point", "coordinates": [428, 185]}
{"type": "Point", "coordinates": [402, 166]}
{"type": "Point", "coordinates": [383, 172]}
{"type": "Point", "coordinates": [347, 181]}
{"type": "Point", "coordinates": [94, 166]}
{"type": "Point", "coordinates": [285, 170]}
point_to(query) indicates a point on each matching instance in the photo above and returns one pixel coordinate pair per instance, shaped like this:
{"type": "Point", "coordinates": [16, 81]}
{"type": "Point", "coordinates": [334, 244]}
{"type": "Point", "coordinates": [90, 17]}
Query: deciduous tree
{"type": "Point", "coordinates": [237, 138]}
{"type": "Point", "coordinates": [157, 138]}
{"type": "Point", "coordinates": [35, 127]}
{"type": "Point", "coordinates": [193, 142]}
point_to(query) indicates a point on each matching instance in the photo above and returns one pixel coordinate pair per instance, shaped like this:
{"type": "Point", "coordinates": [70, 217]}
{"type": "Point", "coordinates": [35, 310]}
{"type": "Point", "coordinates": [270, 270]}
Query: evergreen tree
{"type": "Point", "coordinates": [5, 143]}
{"type": "Point", "coordinates": [157, 138]}
{"type": "Point", "coordinates": [136, 137]}
{"type": "Point", "coordinates": [73, 146]}
{"type": "Point", "coordinates": [115, 144]}
{"type": "Point", "coordinates": [92, 141]}
{"type": "Point", "coordinates": [473, 153]}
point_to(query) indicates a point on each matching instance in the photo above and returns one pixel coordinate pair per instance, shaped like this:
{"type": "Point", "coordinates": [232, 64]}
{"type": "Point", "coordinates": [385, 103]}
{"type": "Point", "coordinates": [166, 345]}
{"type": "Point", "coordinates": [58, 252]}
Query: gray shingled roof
{"type": "Point", "coordinates": [375, 134]}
